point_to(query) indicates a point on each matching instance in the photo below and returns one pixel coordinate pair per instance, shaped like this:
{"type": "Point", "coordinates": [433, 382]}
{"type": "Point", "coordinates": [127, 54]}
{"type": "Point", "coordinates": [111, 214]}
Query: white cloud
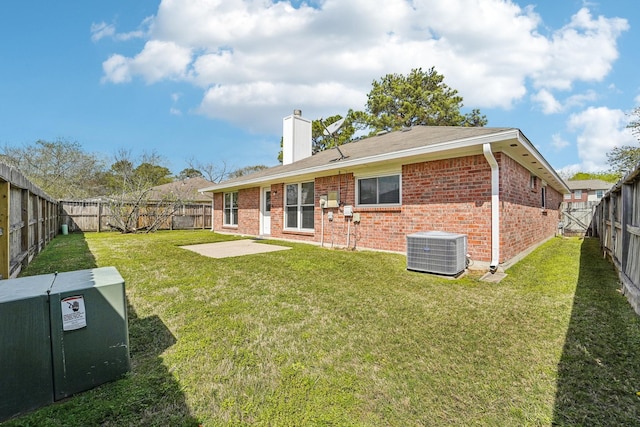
{"type": "Point", "coordinates": [580, 99]}
{"type": "Point", "coordinates": [138, 34]}
{"type": "Point", "coordinates": [213, 23]}
{"type": "Point", "coordinates": [550, 105]}
{"type": "Point", "coordinates": [583, 50]}
{"type": "Point", "coordinates": [558, 142]}
{"type": "Point", "coordinates": [162, 60]}
{"type": "Point", "coordinates": [547, 101]}
{"type": "Point", "coordinates": [242, 103]}
{"type": "Point", "coordinates": [253, 53]}
{"type": "Point", "coordinates": [101, 30]}
{"type": "Point", "coordinates": [158, 60]}
{"type": "Point", "coordinates": [116, 69]}
{"type": "Point", "coordinates": [599, 129]}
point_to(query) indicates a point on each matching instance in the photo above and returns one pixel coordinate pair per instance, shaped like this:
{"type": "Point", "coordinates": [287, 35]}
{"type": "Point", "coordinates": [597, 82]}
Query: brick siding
{"type": "Point", "coordinates": [451, 195]}
{"type": "Point", "coordinates": [523, 221]}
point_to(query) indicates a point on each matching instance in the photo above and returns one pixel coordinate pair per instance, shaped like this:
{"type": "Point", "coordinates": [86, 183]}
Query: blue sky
{"type": "Point", "coordinates": [210, 81]}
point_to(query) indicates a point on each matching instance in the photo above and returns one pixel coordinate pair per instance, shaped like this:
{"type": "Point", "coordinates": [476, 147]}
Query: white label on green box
{"type": "Point", "coordinates": [73, 313]}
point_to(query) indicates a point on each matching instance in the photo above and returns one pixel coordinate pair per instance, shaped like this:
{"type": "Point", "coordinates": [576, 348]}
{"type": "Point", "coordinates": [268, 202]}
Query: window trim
{"type": "Point", "coordinates": [377, 176]}
{"type": "Point", "coordinates": [299, 207]}
{"type": "Point", "coordinates": [232, 210]}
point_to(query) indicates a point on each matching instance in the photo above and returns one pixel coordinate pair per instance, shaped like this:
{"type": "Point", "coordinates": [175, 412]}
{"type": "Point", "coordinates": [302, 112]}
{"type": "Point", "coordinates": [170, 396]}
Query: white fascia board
{"type": "Point", "coordinates": [541, 160]}
{"type": "Point", "coordinates": [380, 158]}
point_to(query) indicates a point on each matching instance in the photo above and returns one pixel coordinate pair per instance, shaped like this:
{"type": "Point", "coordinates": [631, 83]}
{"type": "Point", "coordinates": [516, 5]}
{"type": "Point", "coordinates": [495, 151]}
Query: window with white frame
{"type": "Point", "coordinates": [379, 190]}
{"type": "Point", "coordinates": [231, 208]}
{"type": "Point", "coordinates": [299, 204]}
{"type": "Point", "coordinates": [567, 196]}
{"type": "Point", "coordinates": [577, 194]}
{"type": "Point", "coordinates": [599, 194]}
{"type": "Point", "coordinates": [543, 192]}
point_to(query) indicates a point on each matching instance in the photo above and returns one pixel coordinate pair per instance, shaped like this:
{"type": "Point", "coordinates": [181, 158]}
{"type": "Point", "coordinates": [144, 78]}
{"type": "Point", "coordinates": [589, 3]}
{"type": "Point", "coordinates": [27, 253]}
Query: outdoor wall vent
{"type": "Point", "coordinates": [437, 252]}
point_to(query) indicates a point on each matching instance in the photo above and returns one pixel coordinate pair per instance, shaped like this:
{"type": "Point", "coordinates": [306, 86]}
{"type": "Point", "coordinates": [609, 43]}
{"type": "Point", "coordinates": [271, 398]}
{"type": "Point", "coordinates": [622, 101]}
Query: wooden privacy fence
{"type": "Point", "coordinates": [617, 223]}
{"type": "Point", "coordinates": [28, 221]}
{"type": "Point", "coordinates": [95, 216]}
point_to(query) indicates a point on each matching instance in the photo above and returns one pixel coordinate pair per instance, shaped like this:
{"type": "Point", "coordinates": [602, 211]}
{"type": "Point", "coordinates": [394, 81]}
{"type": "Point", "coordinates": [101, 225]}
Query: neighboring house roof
{"type": "Point", "coordinates": [589, 184]}
{"type": "Point", "coordinates": [185, 189]}
{"type": "Point", "coordinates": [393, 149]}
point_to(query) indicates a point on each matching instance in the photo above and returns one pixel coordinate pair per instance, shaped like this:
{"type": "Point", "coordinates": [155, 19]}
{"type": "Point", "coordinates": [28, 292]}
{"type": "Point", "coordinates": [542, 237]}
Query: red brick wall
{"type": "Point", "coordinates": [340, 230]}
{"type": "Point", "coordinates": [218, 214]}
{"type": "Point", "coordinates": [277, 210]}
{"type": "Point", "coordinates": [583, 197]}
{"type": "Point", "coordinates": [451, 195]}
{"type": "Point", "coordinates": [248, 212]}
{"type": "Point", "coordinates": [523, 221]}
{"type": "Point", "coordinates": [431, 200]}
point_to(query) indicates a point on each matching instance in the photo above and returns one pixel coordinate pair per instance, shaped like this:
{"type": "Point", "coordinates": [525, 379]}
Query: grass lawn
{"type": "Point", "coordinates": [314, 336]}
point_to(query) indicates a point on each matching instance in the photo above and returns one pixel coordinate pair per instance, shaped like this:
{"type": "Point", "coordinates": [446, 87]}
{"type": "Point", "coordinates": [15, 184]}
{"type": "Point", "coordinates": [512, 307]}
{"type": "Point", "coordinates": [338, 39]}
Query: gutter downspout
{"type": "Point", "coordinates": [212, 212]}
{"type": "Point", "coordinates": [495, 205]}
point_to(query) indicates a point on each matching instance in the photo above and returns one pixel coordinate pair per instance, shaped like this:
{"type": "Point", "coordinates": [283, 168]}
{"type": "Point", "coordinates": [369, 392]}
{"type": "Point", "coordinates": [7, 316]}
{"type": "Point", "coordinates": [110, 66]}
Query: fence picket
{"type": "Point", "coordinates": [94, 216]}
{"type": "Point", "coordinates": [616, 222]}
{"type": "Point", "coordinates": [28, 221]}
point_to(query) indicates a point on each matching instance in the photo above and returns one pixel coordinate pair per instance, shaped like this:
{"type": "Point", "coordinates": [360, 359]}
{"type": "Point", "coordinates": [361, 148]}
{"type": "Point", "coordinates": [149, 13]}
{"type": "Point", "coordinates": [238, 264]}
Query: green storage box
{"type": "Point", "coordinates": [93, 348]}
{"type": "Point", "coordinates": [26, 372]}
{"type": "Point", "coordinates": [68, 334]}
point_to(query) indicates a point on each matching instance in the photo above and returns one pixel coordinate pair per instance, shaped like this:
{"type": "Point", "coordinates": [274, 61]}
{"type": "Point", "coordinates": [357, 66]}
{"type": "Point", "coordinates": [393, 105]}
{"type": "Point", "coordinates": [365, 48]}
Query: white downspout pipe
{"type": "Point", "coordinates": [495, 207]}
{"type": "Point", "coordinates": [212, 211]}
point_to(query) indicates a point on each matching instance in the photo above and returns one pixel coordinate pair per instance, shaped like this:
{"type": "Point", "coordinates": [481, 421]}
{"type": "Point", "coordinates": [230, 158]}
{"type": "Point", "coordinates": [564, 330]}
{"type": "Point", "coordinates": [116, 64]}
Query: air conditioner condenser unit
{"type": "Point", "coordinates": [437, 252]}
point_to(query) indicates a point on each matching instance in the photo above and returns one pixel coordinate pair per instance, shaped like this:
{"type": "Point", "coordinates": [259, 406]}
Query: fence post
{"type": "Point", "coordinates": [25, 228]}
{"type": "Point", "coordinates": [626, 194]}
{"type": "Point", "coordinates": [612, 225]}
{"type": "Point", "coordinates": [5, 232]}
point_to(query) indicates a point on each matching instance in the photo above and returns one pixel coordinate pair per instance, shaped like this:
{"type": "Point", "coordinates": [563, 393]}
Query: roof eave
{"type": "Point", "coordinates": [443, 147]}
{"type": "Point", "coordinates": [550, 172]}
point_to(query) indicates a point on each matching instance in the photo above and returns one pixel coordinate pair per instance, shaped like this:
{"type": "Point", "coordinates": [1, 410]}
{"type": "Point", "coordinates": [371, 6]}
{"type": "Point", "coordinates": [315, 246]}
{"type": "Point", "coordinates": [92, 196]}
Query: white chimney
{"type": "Point", "coordinates": [296, 138]}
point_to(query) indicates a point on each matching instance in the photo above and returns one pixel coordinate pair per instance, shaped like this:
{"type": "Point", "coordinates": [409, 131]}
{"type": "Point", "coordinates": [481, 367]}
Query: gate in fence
{"type": "Point", "coordinates": [577, 217]}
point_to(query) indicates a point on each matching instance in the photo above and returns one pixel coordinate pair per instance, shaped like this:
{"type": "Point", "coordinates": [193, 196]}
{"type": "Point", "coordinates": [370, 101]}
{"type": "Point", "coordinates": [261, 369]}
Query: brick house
{"type": "Point", "coordinates": [586, 190]}
{"type": "Point", "coordinates": [490, 184]}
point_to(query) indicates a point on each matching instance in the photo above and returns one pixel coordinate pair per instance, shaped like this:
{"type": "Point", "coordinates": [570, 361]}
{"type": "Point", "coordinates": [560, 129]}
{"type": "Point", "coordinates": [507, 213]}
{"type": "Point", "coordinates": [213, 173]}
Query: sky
{"type": "Point", "coordinates": [210, 81]}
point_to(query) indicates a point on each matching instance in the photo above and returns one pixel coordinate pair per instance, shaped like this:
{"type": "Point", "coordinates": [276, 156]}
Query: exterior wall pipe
{"type": "Point", "coordinates": [495, 207]}
{"type": "Point", "coordinates": [212, 210]}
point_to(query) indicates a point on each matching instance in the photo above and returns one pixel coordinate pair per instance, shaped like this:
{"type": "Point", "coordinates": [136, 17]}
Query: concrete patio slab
{"type": "Point", "coordinates": [233, 248]}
